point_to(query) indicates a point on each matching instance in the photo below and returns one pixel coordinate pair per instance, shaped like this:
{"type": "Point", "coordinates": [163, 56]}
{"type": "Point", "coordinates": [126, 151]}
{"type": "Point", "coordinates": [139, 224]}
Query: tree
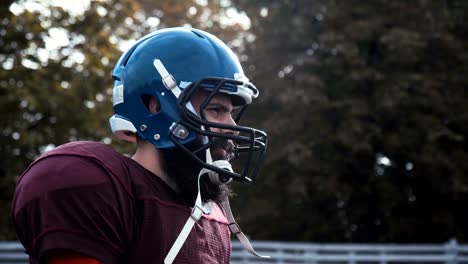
{"type": "Point", "coordinates": [366, 109]}
{"type": "Point", "coordinates": [365, 105]}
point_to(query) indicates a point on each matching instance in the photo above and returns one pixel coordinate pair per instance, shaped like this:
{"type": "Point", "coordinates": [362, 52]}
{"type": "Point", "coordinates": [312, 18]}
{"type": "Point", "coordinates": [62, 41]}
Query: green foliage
{"type": "Point", "coordinates": [367, 116]}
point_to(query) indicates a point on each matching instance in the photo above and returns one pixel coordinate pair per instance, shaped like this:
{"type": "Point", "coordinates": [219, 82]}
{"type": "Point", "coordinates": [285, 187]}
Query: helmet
{"type": "Point", "coordinates": [171, 65]}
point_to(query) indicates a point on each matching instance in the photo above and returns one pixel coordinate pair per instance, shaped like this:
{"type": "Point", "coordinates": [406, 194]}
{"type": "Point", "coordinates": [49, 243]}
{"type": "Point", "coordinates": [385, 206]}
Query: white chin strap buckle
{"type": "Point", "coordinates": [215, 177]}
{"type": "Point", "coordinates": [197, 212]}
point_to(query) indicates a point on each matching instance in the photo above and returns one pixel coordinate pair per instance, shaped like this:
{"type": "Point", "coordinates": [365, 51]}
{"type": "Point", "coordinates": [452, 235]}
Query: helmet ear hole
{"type": "Point", "coordinates": [151, 103]}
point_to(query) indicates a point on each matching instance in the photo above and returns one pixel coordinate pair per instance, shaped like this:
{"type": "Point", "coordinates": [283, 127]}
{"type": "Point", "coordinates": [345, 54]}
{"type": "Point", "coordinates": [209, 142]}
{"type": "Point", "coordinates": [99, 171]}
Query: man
{"type": "Point", "coordinates": [175, 93]}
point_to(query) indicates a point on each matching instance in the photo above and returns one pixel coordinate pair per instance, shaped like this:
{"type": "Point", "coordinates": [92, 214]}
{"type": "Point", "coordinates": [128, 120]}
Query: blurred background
{"type": "Point", "coordinates": [365, 103]}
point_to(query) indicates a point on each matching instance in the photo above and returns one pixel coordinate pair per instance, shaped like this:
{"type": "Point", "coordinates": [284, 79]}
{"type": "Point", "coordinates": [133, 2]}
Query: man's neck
{"type": "Point", "coordinates": [148, 156]}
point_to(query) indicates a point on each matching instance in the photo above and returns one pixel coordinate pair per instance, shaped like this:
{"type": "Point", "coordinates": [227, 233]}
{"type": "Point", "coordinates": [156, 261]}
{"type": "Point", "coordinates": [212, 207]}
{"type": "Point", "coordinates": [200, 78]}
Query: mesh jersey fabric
{"type": "Point", "coordinates": [85, 197]}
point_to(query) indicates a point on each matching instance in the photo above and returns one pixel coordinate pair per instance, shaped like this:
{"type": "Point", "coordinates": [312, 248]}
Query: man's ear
{"type": "Point", "coordinates": [154, 105]}
{"type": "Point", "coordinates": [151, 103]}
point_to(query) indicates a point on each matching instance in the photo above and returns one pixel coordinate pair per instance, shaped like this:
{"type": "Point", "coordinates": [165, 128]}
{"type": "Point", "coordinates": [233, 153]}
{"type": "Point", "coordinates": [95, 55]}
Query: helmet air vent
{"type": "Point", "coordinates": [198, 34]}
{"type": "Point", "coordinates": [128, 55]}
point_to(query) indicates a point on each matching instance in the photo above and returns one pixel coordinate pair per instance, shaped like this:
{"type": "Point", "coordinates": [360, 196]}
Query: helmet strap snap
{"type": "Point", "coordinates": [167, 79]}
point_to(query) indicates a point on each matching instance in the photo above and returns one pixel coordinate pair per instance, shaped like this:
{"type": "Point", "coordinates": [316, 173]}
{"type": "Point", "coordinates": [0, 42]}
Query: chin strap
{"type": "Point", "coordinates": [197, 212]}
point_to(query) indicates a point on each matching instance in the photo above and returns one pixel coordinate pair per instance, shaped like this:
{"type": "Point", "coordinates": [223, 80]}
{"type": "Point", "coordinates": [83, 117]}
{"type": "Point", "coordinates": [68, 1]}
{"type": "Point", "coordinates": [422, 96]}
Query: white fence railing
{"type": "Point", "coordinates": [12, 252]}
{"type": "Point", "coordinates": [291, 252]}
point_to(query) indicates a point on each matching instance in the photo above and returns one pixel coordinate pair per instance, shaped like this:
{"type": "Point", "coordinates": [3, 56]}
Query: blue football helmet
{"type": "Point", "coordinates": [171, 65]}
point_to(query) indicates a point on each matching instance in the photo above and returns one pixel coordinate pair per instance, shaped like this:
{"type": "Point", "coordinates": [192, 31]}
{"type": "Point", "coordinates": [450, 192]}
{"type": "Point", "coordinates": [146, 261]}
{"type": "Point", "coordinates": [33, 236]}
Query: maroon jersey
{"type": "Point", "coordinates": [85, 197]}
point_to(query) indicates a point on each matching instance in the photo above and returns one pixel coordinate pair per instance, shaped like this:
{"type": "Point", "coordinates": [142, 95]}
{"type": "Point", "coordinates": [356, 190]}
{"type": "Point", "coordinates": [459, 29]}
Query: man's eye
{"type": "Point", "coordinates": [214, 110]}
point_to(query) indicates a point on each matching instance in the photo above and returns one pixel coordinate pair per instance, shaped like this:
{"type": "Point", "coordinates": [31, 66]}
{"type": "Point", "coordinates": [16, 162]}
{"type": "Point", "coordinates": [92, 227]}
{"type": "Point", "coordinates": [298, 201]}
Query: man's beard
{"type": "Point", "coordinates": [184, 169]}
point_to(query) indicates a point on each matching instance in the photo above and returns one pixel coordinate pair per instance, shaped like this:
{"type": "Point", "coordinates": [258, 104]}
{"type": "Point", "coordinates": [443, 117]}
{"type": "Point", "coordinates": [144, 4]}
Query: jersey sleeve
{"type": "Point", "coordinates": [72, 203]}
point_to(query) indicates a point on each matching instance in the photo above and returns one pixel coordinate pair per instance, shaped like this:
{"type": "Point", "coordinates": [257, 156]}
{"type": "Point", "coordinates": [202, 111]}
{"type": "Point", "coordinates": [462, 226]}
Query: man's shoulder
{"type": "Point", "coordinates": [74, 166]}
{"type": "Point", "coordinates": [83, 162]}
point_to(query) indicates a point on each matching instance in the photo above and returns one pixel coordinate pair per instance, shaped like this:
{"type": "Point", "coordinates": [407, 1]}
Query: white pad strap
{"type": "Point", "coordinates": [235, 229]}
{"type": "Point", "coordinates": [196, 214]}
{"type": "Point", "coordinates": [167, 79]}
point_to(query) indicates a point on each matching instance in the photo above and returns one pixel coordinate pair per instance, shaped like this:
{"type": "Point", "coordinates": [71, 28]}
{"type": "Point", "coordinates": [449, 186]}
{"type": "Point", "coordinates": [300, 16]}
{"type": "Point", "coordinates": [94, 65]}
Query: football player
{"type": "Point", "coordinates": [178, 94]}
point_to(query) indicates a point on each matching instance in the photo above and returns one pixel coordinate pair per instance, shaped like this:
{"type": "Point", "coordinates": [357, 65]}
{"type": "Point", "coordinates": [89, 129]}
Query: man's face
{"type": "Point", "coordinates": [184, 169]}
{"type": "Point", "coordinates": [218, 110]}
